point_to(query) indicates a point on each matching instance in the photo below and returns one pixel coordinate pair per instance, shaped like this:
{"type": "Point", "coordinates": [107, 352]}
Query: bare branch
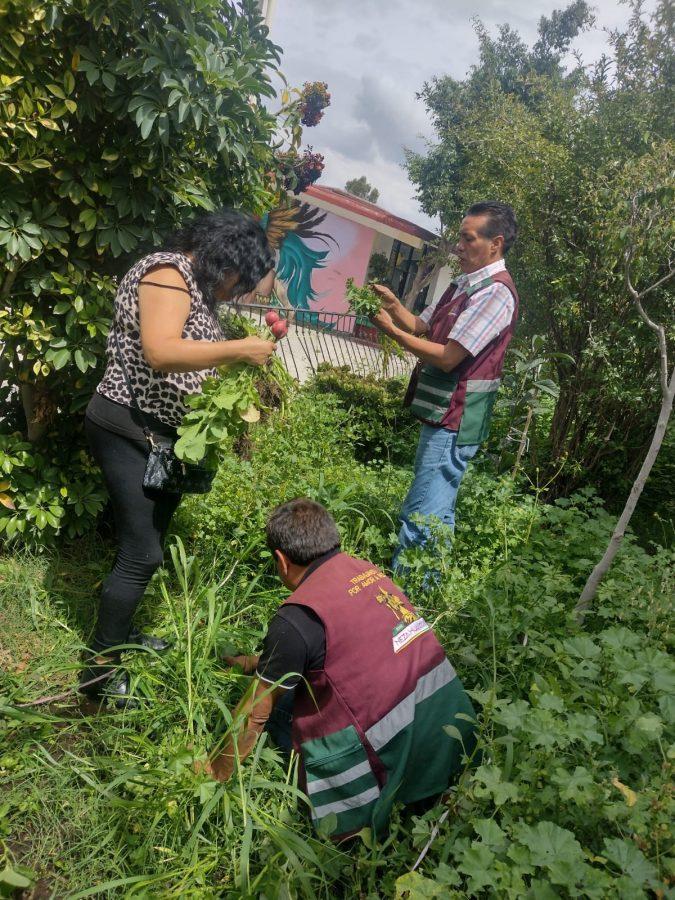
{"type": "Point", "coordinates": [659, 330]}
{"type": "Point", "coordinates": [657, 284]}
{"type": "Point", "coordinates": [601, 569]}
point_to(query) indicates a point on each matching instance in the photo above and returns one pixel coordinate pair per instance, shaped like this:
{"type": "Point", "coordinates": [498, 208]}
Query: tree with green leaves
{"type": "Point", "coordinates": [649, 226]}
{"type": "Point", "coordinates": [116, 118]}
{"type": "Point", "coordinates": [360, 187]}
{"type": "Point", "coordinates": [555, 143]}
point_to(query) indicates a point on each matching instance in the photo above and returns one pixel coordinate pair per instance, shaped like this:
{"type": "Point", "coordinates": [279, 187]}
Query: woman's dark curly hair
{"type": "Point", "coordinates": [224, 243]}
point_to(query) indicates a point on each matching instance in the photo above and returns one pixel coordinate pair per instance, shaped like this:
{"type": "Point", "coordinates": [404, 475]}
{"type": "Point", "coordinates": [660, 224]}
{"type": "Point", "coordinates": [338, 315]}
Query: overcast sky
{"type": "Point", "coordinates": [376, 54]}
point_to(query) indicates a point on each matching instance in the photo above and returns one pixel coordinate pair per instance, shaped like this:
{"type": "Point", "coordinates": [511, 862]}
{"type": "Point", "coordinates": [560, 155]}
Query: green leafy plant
{"type": "Point", "coordinates": [528, 393]}
{"type": "Point", "coordinates": [46, 492]}
{"type": "Point", "coordinates": [383, 429]}
{"type": "Point", "coordinates": [229, 403]}
{"type": "Point", "coordinates": [379, 269]}
{"type": "Point", "coordinates": [218, 415]}
{"type": "Point", "coordinates": [572, 796]}
{"type": "Point", "coordinates": [390, 350]}
{"type": "Point", "coordinates": [115, 122]}
{"type": "Point", "coordinates": [363, 301]}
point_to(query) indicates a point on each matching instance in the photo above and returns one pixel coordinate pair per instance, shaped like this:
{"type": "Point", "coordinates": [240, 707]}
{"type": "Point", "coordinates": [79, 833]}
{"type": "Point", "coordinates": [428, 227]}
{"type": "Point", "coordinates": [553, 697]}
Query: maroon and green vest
{"type": "Point", "coordinates": [370, 727]}
{"type": "Point", "coordinates": [461, 400]}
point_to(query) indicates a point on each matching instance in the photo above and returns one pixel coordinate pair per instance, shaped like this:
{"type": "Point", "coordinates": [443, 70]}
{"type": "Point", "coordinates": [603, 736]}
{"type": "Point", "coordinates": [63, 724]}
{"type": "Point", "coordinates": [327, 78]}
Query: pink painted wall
{"type": "Point", "coordinates": [349, 259]}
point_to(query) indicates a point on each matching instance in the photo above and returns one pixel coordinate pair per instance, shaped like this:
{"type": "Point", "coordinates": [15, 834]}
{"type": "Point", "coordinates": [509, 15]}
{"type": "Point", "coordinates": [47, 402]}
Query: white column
{"type": "Point", "coordinates": [267, 11]}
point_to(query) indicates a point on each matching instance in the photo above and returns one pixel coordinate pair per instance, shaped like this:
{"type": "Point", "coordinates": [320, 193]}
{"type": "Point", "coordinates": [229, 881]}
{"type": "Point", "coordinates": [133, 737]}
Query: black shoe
{"type": "Point", "coordinates": [148, 640]}
{"type": "Point", "coordinates": [117, 690]}
{"type": "Point", "coordinates": [93, 680]}
{"type": "Point", "coordinates": [101, 682]}
{"type": "Point", "coordinates": [98, 672]}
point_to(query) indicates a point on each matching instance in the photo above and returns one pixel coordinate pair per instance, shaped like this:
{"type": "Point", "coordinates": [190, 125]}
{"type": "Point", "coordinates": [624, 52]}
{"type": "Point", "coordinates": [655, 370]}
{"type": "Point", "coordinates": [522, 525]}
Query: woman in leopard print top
{"type": "Point", "coordinates": [170, 340]}
{"type": "Point", "coordinates": [159, 393]}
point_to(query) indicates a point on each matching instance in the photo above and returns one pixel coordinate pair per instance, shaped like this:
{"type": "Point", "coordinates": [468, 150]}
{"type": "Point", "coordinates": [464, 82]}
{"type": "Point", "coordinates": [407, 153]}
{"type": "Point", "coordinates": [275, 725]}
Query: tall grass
{"type": "Point", "coordinates": [108, 795]}
{"type": "Point", "coordinates": [106, 802]}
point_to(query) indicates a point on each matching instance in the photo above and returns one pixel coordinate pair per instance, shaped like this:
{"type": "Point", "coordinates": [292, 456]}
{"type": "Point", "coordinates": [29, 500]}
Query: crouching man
{"type": "Point", "coordinates": [364, 683]}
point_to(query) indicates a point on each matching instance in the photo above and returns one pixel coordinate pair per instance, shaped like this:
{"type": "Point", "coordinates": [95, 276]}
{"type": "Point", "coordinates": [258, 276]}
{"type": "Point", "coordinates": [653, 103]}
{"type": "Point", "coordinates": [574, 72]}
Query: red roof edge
{"type": "Point", "coordinates": [349, 202]}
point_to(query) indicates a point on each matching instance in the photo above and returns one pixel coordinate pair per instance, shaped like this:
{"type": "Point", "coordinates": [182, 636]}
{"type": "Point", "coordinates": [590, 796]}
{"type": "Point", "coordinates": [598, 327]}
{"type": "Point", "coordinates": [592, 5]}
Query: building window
{"type": "Point", "coordinates": [403, 264]}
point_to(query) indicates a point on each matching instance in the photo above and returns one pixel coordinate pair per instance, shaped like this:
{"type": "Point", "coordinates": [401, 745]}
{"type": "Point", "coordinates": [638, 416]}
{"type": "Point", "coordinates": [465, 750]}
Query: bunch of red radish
{"type": "Point", "coordinates": [277, 325]}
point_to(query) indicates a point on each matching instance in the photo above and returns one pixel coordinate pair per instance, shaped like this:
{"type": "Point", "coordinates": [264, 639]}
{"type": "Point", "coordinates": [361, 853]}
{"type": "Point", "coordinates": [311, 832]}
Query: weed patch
{"type": "Point", "coordinates": [572, 794]}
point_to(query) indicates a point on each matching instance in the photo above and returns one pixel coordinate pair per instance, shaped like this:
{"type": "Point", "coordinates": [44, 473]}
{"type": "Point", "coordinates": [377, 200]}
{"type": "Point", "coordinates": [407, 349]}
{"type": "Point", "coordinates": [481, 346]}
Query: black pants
{"type": "Point", "coordinates": [280, 723]}
{"type": "Point", "coordinates": [141, 520]}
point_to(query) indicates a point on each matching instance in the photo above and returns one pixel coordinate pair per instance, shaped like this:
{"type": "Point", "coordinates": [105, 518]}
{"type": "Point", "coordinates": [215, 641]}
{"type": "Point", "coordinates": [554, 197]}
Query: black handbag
{"type": "Point", "coordinates": [164, 472]}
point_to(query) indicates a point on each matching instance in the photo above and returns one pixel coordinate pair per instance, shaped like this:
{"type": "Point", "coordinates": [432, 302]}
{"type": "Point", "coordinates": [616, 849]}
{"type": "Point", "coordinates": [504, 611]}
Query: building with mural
{"type": "Point", "coordinates": [330, 236]}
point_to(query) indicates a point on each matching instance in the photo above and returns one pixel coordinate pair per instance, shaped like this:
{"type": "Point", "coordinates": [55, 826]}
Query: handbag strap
{"type": "Point", "coordinates": [149, 436]}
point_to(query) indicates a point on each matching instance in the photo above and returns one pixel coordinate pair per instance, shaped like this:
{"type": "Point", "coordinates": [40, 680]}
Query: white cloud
{"type": "Point", "coordinates": [376, 54]}
{"type": "Point", "coordinates": [392, 114]}
{"type": "Point", "coordinates": [396, 192]}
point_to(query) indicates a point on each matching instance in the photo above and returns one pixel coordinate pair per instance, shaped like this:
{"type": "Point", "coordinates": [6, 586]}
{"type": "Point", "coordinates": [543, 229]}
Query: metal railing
{"type": "Point", "coordinates": [340, 339]}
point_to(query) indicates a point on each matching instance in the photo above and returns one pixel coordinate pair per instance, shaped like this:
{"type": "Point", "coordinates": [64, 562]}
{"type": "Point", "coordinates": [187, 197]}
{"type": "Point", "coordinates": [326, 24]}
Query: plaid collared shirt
{"type": "Point", "coordinates": [487, 314]}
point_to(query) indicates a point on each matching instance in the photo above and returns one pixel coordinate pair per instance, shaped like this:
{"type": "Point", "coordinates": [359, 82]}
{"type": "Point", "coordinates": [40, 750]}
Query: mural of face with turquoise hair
{"type": "Point", "coordinates": [288, 230]}
{"type": "Point", "coordinates": [317, 251]}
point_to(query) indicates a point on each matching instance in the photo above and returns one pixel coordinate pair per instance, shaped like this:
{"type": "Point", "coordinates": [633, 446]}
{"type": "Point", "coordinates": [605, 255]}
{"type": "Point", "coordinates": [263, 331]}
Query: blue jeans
{"type": "Point", "coordinates": [439, 467]}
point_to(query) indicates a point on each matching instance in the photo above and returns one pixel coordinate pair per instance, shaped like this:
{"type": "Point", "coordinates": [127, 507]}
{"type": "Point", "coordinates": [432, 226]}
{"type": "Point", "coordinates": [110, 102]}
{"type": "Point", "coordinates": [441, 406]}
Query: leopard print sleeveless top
{"type": "Point", "coordinates": [162, 394]}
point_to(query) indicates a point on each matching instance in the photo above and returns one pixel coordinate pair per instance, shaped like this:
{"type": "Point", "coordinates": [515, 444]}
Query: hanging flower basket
{"type": "Point", "coordinates": [314, 98]}
{"type": "Point", "coordinates": [303, 170]}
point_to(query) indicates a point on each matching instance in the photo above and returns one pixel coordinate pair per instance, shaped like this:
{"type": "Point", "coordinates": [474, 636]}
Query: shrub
{"type": "Point", "coordinates": [115, 121]}
{"type": "Point", "coordinates": [306, 453]}
{"type": "Point", "coordinates": [384, 430]}
{"type": "Point", "coordinates": [48, 491]}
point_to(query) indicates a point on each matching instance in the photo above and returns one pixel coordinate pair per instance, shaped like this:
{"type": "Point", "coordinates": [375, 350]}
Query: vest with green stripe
{"type": "Point", "coordinates": [382, 720]}
{"type": "Point", "coordinates": [461, 400]}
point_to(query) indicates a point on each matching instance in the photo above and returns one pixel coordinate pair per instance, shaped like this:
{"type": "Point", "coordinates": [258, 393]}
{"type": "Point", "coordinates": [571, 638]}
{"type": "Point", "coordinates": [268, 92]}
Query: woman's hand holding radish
{"type": "Point", "coordinates": [256, 351]}
{"type": "Point", "coordinates": [232, 401]}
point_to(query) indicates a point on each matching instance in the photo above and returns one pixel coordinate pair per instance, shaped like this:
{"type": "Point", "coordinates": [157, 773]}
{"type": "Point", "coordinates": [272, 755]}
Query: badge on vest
{"type": "Point", "coordinates": [405, 634]}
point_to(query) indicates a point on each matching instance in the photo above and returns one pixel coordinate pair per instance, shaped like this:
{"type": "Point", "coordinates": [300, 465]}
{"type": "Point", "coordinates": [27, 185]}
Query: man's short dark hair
{"type": "Point", "coordinates": [501, 219]}
{"type": "Point", "coordinates": [303, 530]}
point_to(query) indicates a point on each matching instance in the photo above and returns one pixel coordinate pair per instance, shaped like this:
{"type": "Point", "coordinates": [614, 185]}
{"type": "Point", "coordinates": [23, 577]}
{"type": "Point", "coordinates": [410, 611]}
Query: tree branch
{"type": "Point", "coordinates": [601, 569]}
{"type": "Point", "coordinates": [435, 261]}
{"type": "Point", "coordinates": [657, 284]}
{"type": "Point", "coordinates": [8, 282]}
{"type": "Point", "coordinates": [658, 330]}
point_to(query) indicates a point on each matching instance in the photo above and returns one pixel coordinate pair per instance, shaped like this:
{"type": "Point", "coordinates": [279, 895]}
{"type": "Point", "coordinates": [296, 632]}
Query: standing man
{"type": "Point", "coordinates": [354, 678]}
{"type": "Point", "coordinates": [454, 385]}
